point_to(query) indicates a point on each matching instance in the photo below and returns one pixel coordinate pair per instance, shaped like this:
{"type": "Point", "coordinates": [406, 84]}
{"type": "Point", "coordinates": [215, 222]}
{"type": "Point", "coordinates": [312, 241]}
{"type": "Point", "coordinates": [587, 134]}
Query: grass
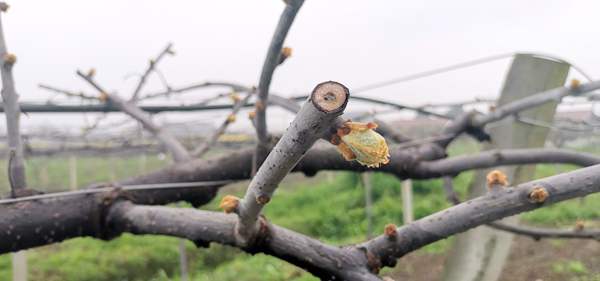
{"type": "Point", "coordinates": [331, 210]}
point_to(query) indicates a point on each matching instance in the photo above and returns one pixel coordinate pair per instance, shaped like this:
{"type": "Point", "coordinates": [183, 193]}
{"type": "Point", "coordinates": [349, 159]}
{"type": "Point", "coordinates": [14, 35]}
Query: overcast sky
{"type": "Point", "coordinates": [353, 42]}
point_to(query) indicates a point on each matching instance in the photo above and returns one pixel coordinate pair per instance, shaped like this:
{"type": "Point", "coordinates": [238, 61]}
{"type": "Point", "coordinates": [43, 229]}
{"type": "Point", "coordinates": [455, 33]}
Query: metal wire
{"type": "Point", "coordinates": [134, 187]}
{"type": "Point", "coordinates": [465, 64]}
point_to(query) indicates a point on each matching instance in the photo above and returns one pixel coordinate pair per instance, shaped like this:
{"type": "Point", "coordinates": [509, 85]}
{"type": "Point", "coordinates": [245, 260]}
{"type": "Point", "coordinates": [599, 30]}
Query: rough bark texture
{"type": "Point", "coordinates": [30, 223]}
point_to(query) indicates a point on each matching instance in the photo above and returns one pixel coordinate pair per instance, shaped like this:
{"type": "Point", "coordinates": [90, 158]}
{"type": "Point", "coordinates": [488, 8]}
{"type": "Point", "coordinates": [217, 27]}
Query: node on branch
{"type": "Point", "coordinates": [579, 226]}
{"type": "Point", "coordinates": [390, 231]}
{"type": "Point", "coordinates": [259, 105]}
{"type": "Point", "coordinates": [538, 195]}
{"type": "Point", "coordinates": [575, 83]}
{"type": "Point", "coordinates": [229, 203]}
{"type": "Point", "coordinates": [286, 52]}
{"type": "Point", "coordinates": [496, 179]}
{"type": "Point", "coordinates": [91, 73]}
{"type": "Point", "coordinates": [235, 97]}
{"type": "Point", "coordinates": [231, 118]}
{"type": "Point", "coordinates": [10, 59]}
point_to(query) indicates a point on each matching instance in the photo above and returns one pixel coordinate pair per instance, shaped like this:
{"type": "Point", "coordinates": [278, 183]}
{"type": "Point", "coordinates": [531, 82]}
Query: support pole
{"type": "Point", "coordinates": [407, 202]}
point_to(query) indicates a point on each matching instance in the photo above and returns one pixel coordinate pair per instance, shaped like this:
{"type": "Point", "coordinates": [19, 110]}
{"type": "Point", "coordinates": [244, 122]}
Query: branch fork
{"type": "Point", "coordinates": [315, 119]}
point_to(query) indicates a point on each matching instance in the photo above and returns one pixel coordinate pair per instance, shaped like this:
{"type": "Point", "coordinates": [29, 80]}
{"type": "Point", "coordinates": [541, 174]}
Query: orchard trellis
{"type": "Point", "coordinates": [105, 211]}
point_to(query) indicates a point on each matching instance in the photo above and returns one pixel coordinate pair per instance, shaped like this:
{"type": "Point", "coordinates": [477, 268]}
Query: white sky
{"type": "Point", "coordinates": [353, 42]}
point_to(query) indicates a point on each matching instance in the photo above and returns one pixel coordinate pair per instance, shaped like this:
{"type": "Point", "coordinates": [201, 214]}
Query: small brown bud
{"type": "Point", "coordinates": [575, 83]}
{"type": "Point", "coordinates": [538, 195]}
{"type": "Point", "coordinates": [10, 58]}
{"type": "Point", "coordinates": [229, 203]}
{"type": "Point", "coordinates": [4, 7]}
{"type": "Point", "coordinates": [91, 72]}
{"type": "Point", "coordinates": [234, 97]}
{"type": "Point", "coordinates": [259, 106]}
{"type": "Point", "coordinates": [103, 97]}
{"type": "Point", "coordinates": [263, 199]}
{"type": "Point", "coordinates": [579, 225]}
{"type": "Point", "coordinates": [390, 231]}
{"type": "Point", "coordinates": [286, 52]}
{"type": "Point", "coordinates": [495, 178]}
{"type": "Point", "coordinates": [252, 114]}
{"type": "Point", "coordinates": [230, 118]}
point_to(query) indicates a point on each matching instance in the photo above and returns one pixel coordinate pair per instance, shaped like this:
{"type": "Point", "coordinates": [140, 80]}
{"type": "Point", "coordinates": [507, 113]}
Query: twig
{"type": "Point", "coordinates": [180, 154]}
{"type": "Point", "coordinates": [67, 93]}
{"type": "Point", "coordinates": [11, 107]}
{"type": "Point", "coordinates": [151, 66]}
{"type": "Point", "coordinates": [234, 86]}
{"type": "Point", "coordinates": [204, 147]}
{"type": "Point", "coordinates": [271, 62]}
{"type": "Point", "coordinates": [451, 195]}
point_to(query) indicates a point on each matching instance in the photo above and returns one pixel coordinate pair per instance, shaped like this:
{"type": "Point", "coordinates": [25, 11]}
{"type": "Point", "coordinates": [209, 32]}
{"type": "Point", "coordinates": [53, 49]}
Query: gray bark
{"type": "Point", "coordinates": [480, 254]}
{"type": "Point", "coordinates": [271, 62]}
{"type": "Point", "coordinates": [151, 66]}
{"type": "Point", "coordinates": [484, 209]}
{"type": "Point", "coordinates": [107, 215]}
{"type": "Point", "coordinates": [204, 147]}
{"type": "Point", "coordinates": [536, 233]}
{"type": "Point", "coordinates": [10, 99]}
{"type": "Point", "coordinates": [177, 150]}
{"type": "Point", "coordinates": [314, 120]}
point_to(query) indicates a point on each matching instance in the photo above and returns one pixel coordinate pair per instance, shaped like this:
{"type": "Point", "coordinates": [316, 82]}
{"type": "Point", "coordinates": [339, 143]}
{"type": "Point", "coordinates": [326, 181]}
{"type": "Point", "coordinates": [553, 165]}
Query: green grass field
{"type": "Point", "coordinates": [330, 208]}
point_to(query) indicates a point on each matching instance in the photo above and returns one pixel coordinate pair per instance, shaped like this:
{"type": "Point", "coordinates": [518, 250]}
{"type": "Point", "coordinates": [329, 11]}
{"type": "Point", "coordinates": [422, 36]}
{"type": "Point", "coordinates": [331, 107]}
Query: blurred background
{"type": "Point", "coordinates": [370, 46]}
